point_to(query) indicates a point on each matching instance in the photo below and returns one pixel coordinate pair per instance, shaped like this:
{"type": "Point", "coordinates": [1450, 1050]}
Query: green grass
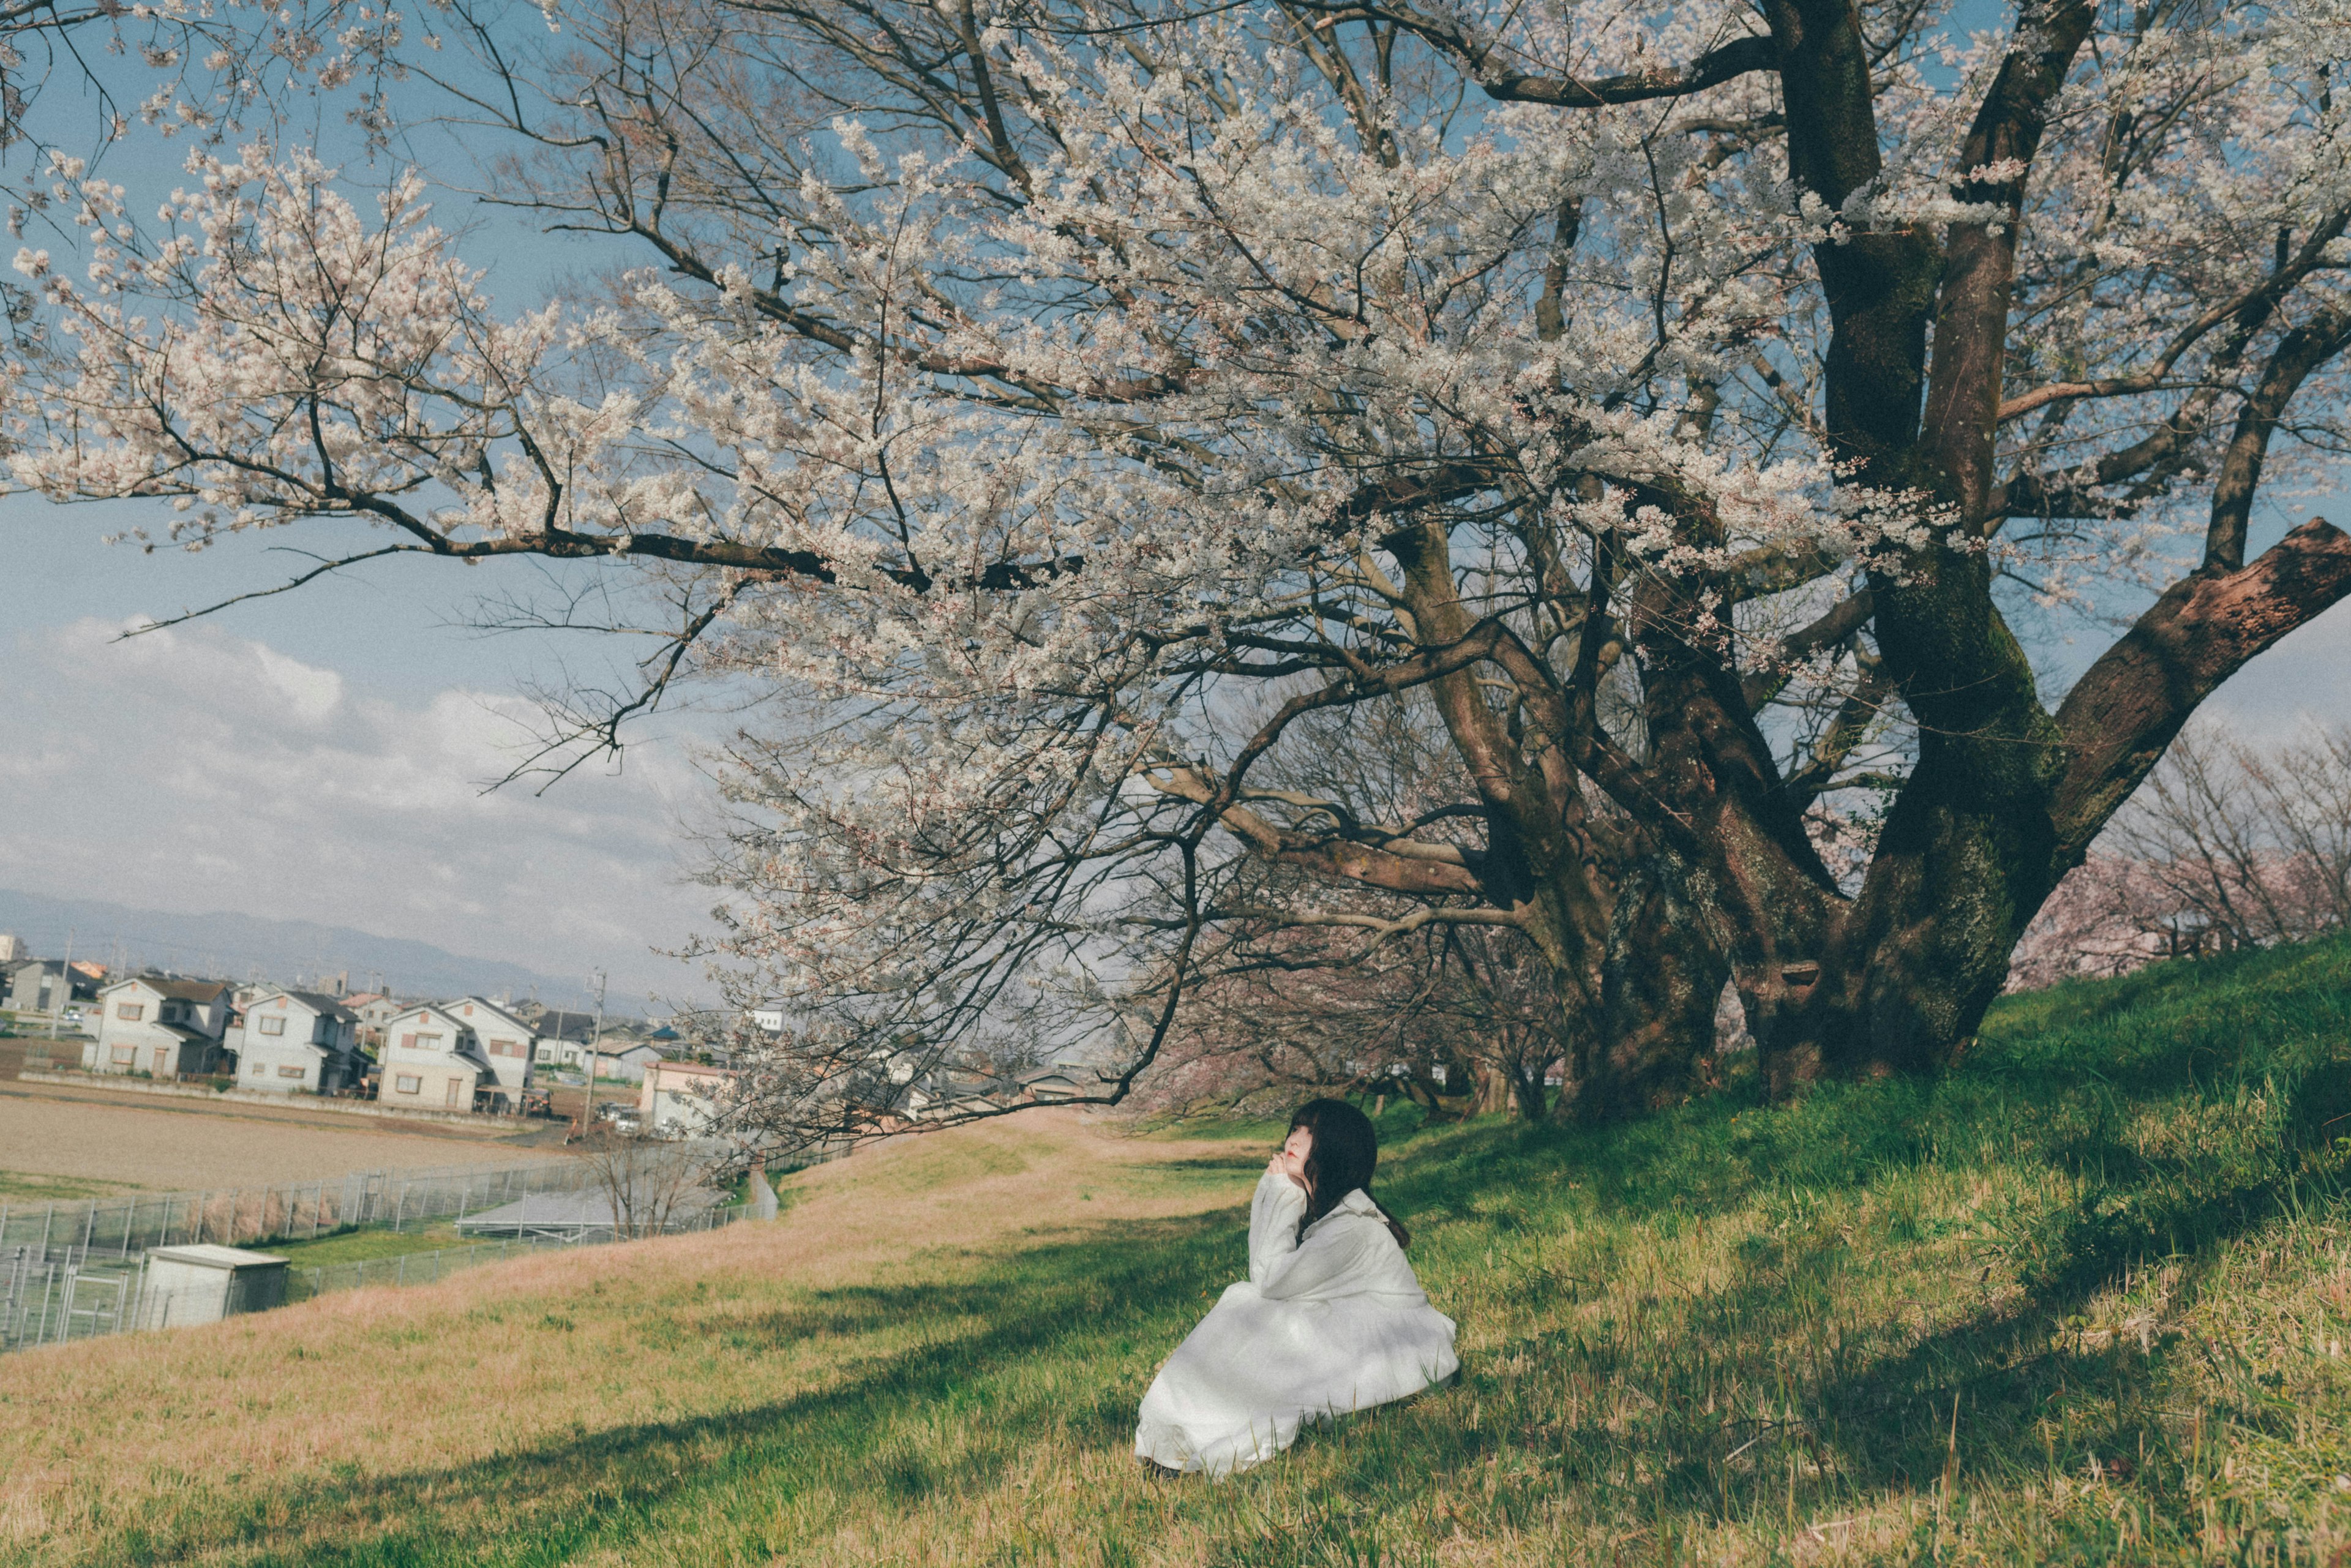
{"type": "Point", "coordinates": [26, 1186]}
{"type": "Point", "coordinates": [2083, 1300]}
{"type": "Point", "coordinates": [359, 1244]}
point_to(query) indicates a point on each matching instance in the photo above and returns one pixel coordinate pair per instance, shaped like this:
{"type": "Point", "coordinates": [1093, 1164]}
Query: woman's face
{"type": "Point", "coordinates": [1294, 1150]}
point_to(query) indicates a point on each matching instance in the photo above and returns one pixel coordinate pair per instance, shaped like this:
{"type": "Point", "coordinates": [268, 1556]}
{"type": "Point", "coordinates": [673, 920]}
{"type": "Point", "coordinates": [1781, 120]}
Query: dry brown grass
{"type": "Point", "coordinates": [171, 1147]}
{"type": "Point", "coordinates": [159, 1431]}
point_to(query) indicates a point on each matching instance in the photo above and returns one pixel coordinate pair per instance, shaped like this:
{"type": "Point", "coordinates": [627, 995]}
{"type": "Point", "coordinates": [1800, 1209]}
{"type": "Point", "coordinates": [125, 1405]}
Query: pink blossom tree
{"type": "Point", "coordinates": [1183, 479]}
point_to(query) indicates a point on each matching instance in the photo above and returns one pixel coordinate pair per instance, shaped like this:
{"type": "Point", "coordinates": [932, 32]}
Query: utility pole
{"type": "Point", "coordinates": [587, 1105]}
{"type": "Point", "coordinates": [64, 987]}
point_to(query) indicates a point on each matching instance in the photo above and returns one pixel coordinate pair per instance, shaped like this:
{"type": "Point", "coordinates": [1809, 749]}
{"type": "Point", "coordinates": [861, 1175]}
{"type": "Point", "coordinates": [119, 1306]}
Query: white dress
{"type": "Point", "coordinates": [1326, 1323]}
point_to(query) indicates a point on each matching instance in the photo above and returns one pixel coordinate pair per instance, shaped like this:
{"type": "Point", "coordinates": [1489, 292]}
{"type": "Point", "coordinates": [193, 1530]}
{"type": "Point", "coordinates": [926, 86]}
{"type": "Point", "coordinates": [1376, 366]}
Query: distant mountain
{"type": "Point", "coordinates": [238, 947]}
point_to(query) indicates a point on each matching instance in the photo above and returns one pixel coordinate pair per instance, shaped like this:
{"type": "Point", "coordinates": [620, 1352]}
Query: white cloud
{"type": "Point", "coordinates": [191, 770]}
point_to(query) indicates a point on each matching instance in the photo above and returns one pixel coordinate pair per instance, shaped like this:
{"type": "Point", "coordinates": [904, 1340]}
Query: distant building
{"type": "Point", "coordinates": [679, 1098]}
{"type": "Point", "coordinates": [11, 949]}
{"type": "Point", "coordinates": [620, 1057]}
{"type": "Point", "coordinates": [43, 985]}
{"type": "Point", "coordinates": [160, 1025]}
{"type": "Point", "coordinates": [373, 1010]}
{"type": "Point", "coordinates": [507, 1044]}
{"type": "Point", "coordinates": [554, 1023]}
{"type": "Point", "coordinates": [431, 1059]}
{"type": "Point", "coordinates": [1048, 1083]}
{"type": "Point", "coordinates": [298, 1043]}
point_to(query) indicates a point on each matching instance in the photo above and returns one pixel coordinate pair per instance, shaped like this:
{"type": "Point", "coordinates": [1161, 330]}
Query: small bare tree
{"type": "Point", "coordinates": [2250, 846]}
{"type": "Point", "coordinates": [654, 1185]}
{"type": "Point", "coordinates": [2228, 845]}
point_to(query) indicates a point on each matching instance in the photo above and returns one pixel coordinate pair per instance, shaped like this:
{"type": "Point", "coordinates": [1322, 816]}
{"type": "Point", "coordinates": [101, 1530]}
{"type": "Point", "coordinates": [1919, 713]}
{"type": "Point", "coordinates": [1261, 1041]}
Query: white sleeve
{"type": "Point", "coordinates": [1274, 1213]}
{"type": "Point", "coordinates": [1339, 1255]}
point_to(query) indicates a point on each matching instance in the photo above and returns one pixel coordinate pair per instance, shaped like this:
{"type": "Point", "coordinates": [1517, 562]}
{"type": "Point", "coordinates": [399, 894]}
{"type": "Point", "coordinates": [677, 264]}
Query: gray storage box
{"type": "Point", "coordinates": [203, 1284]}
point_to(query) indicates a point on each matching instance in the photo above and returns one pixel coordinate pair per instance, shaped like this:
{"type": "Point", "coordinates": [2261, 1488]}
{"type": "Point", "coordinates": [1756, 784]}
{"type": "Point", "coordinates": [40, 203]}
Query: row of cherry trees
{"type": "Point", "coordinates": [1208, 500]}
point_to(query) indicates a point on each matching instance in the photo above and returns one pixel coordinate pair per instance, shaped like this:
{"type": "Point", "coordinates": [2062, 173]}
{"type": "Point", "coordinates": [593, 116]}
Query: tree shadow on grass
{"type": "Point", "coordinates": [935, 1389]}
{"type": "Point", "coordinates": [931, 1391]}
{"type": "Point", "coordinates": [1108, 1304]}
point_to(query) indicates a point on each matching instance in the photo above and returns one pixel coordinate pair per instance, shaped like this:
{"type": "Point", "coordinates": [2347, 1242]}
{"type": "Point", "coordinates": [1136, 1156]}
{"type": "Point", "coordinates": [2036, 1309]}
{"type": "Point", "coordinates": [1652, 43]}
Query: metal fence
{"type": "Point", "coordinates": [122, 1228]}
{"type": "Point", "coordinates": [48, 1299]}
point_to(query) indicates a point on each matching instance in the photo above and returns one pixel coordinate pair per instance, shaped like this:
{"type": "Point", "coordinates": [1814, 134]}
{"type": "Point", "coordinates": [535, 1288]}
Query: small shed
{"type": "Point", "coordinates": [205, 1283]}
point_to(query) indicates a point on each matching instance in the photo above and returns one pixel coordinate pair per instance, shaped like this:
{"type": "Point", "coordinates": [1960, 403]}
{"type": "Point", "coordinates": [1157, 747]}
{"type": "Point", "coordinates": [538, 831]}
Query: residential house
{"type": "Point", "coordinates": [507, 1044]}
{"type": "Point", "coordinates": [1048, 1084]}
{"type": "Point", "coordinates": [47, 985]}
{"type": "Point", "coordinates": [617, 1042]}
{"type": "Point", "coordinates": [373, 1010]}
{"type": "Point", "coordinates": [431, 1059]}
{"type": "Point", "coordinates": [680, 1099]}
{"type": "Point", "coordinates": [160, 1025]}
{"type": "Point", "coordinates": [298, 1043]}
{"type": "Point", "coordinates": [622, 1057]}
{"type": "Point", "coordinates": [554, 1023]}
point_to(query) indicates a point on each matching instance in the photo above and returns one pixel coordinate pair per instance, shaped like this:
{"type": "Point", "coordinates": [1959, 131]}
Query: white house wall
{"type": "Point", "coordinates": [432, 1069]}
{"type": "Point", "coordinates": [279, 1066]}
{"type": "Point", "coordinates": [504, 1041]}
{"type": "Point", "coordinates": [129, 1045]}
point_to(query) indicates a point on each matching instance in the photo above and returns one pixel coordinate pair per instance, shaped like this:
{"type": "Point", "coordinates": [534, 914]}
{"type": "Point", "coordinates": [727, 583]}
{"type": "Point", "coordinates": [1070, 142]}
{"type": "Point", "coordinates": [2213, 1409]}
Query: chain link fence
{"type": "Point", "coordinates": [49, 1301]}
{"type": "Point", "coordinates": [51, 1295]}
{"type": "Point", "coordinates": [124, 1229]}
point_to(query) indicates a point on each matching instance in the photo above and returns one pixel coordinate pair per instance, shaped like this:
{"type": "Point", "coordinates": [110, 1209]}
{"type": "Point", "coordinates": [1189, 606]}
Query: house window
{"type": "Point", "coordinates": [260, 1069]}
{"type": "Point", "coordinates": [456, 1087]}
{"type": "Point", "coordinates": [131, 1012]}
{"type": "Point", "coordinates": [125, 1055]}
{"type": "Point", "coordinates": [505, 1048]}
{"type": "Point", "coordinates": [409, 1084]}
{"type": "Point", "coordinates": [424, 1041]}
{"type": "Point", "coordinates": [273, 1026]}
{"type": "Point", "coordinates": [292, 1071]}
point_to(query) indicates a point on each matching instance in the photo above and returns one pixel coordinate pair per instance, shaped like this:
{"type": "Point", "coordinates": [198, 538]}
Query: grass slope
{"type": "Point", "coordinates": [2083, 1301]}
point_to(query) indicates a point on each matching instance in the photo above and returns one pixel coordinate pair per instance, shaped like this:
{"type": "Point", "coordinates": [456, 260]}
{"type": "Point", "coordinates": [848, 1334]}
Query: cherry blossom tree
{"type": "Point", "coordinates": [1189, 482]}
{"type": "Point", "coordinates": [2227, 845]}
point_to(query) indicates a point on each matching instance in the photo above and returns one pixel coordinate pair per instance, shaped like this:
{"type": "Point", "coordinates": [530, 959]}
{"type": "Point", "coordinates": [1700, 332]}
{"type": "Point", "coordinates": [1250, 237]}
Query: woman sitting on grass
{"type": "Point", "coordinates": [1329, 1319]}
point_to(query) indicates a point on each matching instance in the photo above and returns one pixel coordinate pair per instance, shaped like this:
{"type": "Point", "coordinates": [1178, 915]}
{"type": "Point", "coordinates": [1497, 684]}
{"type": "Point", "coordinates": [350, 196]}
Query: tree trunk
{"type": "Point", "coordinates": [1659, 983]}
{"type": "Point", "coordinates": [1959, 874]}
{"type": "Point", "coordinates": [2007, 797]}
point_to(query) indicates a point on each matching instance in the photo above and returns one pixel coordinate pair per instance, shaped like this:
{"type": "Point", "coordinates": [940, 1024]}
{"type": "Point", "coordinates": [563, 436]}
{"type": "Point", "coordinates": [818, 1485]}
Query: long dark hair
{"type": "Point", "coordinates": [1345, 1152]}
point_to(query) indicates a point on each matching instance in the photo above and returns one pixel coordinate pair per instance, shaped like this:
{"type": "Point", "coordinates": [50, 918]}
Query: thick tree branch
{"type": "Point", "coordinates": [2299, 353]}
{"type": "Point", "coordinates": [1979, 282]}
{"type": "Point", "coordinates": [2123, 712]}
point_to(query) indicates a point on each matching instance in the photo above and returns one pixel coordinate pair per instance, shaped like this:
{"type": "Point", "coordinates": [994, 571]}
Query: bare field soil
{"type": "Point", "coordinates": [172, 1145]}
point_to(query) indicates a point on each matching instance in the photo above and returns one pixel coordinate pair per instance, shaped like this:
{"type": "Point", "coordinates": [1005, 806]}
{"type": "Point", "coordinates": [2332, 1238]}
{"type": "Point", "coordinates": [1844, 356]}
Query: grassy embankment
{"type": "Point", "coordinates": [2086, 1300]}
